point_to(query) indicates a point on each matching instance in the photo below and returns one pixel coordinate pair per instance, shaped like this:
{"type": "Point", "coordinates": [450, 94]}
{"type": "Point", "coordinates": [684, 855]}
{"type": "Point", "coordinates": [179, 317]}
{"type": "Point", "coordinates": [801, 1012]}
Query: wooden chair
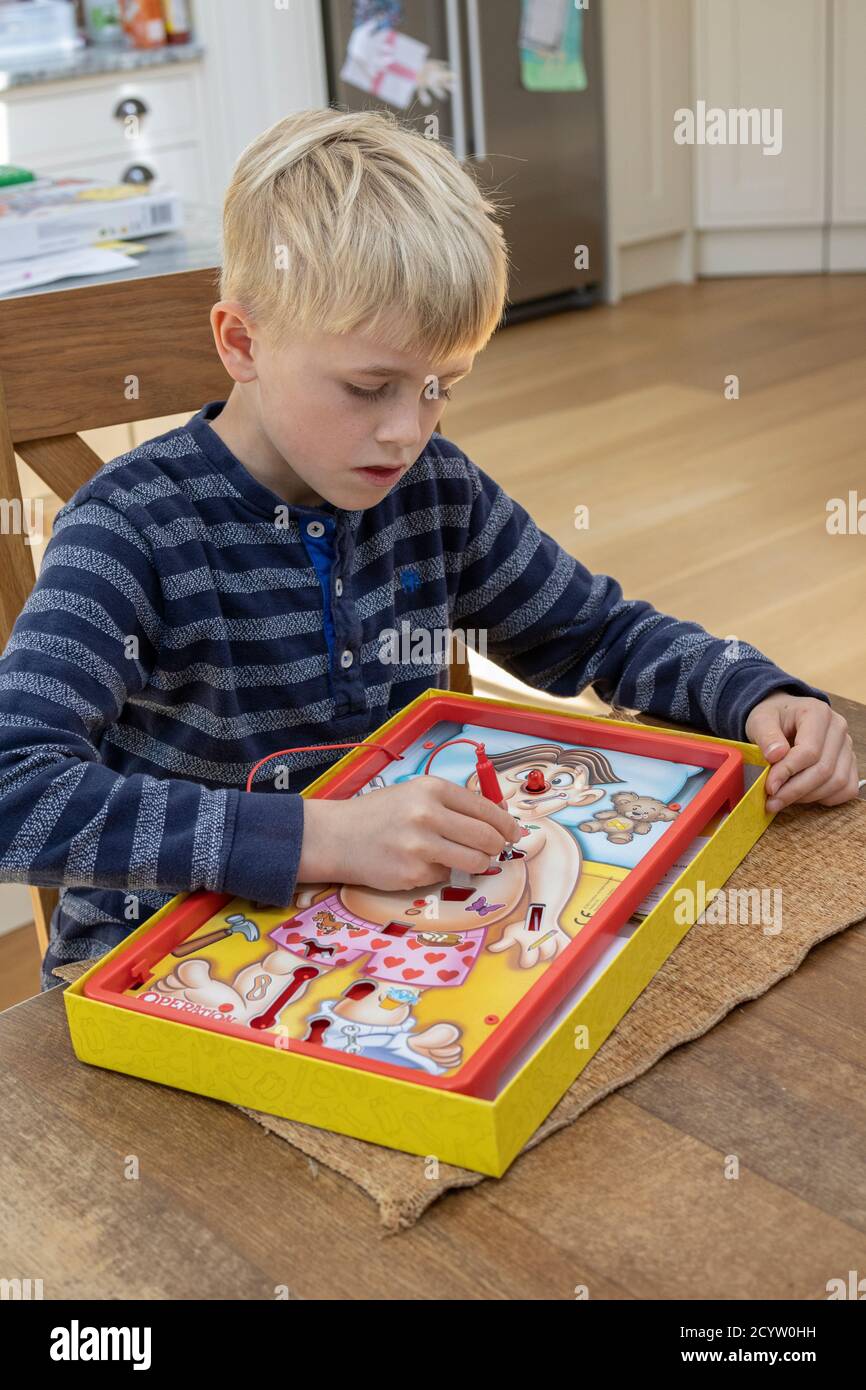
{"type": "Point", "coordinates": [80, 359]}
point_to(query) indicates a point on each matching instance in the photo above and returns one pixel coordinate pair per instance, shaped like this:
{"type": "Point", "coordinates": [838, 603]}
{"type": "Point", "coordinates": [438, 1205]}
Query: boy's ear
{"type": "Point", "coordinates": [232, 331]}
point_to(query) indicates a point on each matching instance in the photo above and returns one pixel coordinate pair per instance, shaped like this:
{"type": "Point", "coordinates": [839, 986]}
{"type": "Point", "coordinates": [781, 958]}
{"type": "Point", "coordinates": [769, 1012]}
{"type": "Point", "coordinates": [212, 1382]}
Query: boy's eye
{"type": "Point", "coordinates": [366, 395]}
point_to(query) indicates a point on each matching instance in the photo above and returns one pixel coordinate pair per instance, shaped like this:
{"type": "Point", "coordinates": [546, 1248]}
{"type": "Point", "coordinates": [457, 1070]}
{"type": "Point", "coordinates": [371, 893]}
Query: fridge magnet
{"type": "Point", "coordinates": [551, 46]}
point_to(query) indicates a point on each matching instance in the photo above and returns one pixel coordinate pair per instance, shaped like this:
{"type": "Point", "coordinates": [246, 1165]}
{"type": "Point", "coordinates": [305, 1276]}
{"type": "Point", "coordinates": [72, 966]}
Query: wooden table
{"type": "Point", "coordinates": [632, 1200]}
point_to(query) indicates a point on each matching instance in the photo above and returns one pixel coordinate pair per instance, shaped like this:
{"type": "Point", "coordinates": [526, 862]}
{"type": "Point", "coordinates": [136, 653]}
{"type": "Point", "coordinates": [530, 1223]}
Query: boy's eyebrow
{"type": "Point", "coordinates": [394, 371]}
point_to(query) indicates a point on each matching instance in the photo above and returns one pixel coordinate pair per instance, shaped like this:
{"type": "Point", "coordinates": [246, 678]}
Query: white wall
{"type": "Point", "coordinates": [261, 63]}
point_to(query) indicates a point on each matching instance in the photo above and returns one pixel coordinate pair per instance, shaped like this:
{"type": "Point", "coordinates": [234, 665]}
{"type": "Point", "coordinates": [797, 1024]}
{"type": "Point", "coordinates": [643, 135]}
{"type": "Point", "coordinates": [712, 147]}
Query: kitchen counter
{"type": "Point", "coordinates": [196, 246]}
{"type": "Point", "coordinates": [93, 59]}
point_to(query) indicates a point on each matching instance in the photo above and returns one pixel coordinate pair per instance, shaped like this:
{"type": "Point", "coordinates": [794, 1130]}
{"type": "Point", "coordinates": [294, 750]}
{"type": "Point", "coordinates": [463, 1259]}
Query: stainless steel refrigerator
{"type": "Point", "coordinates": [543, 151]}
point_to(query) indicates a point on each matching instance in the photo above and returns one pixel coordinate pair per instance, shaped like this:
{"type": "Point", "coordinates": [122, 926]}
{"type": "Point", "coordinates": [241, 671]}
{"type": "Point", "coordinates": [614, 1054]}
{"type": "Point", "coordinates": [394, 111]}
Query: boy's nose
{"type": "Point", "coordinates": [403, 433]}
{"type": "Point", "coordinates": [535, 782]}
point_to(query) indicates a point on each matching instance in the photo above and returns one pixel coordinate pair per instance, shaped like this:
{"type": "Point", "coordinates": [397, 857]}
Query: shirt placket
{"type": "Point", "coordinates": [347, 683]}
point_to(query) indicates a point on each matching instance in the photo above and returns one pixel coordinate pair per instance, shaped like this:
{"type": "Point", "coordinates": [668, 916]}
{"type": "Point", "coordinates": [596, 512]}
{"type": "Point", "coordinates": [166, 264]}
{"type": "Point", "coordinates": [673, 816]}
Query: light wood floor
{"type": "Point", "coordinates": [713, 509]}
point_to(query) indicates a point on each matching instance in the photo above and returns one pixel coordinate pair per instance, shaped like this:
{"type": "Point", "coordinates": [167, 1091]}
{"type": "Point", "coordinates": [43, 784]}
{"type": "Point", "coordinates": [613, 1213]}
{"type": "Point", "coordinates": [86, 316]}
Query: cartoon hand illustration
{"type": "Point", "coordinates": [435, 77]}
{"type": "Point", "coordinates": [439, 1041]}
{"type": "Point", "coordinates": [534, 945]}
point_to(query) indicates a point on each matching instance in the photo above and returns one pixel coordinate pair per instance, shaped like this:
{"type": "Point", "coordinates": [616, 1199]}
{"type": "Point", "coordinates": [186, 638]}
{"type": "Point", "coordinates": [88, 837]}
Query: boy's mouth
{"type": "Point", "coordinates": [381, 477]}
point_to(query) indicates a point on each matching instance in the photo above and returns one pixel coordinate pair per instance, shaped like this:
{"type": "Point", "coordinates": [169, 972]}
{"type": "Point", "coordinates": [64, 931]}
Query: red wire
{"type": "Point", "coordinates": [474, 741]}
{"type": "Point", "coordinates": [313, 747]}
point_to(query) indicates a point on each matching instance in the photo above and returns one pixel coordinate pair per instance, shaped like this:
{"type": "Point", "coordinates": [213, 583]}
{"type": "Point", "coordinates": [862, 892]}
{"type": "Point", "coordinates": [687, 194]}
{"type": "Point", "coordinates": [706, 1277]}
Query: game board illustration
{"type": "Point", "coordinates": [420, 979]}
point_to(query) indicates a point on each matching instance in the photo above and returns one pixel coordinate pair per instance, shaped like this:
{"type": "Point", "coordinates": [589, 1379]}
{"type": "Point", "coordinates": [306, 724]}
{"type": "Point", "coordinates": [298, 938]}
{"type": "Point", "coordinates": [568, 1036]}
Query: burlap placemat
{"type": "Point", "coordinates": [817, 856]}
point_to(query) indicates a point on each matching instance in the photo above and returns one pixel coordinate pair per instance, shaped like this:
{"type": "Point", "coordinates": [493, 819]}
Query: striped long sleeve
{"type": "Point", "coordinates": [558, 627]}
{"type": "Point", "coordinates": [82, 650]}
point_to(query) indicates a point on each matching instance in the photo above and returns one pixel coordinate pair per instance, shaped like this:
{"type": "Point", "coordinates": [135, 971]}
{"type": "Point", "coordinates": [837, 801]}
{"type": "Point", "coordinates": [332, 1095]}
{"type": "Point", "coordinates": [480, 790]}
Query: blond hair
{"type": "Point", "coordinates": [335, 219]}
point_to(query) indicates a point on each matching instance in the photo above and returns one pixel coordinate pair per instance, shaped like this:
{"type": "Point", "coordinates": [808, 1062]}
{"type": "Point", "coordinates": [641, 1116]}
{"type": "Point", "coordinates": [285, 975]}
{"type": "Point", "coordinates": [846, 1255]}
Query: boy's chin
{"type": "Point", "coordinates": [359, 492]}
{"type": "Point", "coordinates": [355, 490]}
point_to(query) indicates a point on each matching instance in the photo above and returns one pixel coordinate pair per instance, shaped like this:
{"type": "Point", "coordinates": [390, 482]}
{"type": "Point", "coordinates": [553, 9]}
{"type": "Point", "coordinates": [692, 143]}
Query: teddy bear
{"type": "Point", "coordinates": [633, 815]}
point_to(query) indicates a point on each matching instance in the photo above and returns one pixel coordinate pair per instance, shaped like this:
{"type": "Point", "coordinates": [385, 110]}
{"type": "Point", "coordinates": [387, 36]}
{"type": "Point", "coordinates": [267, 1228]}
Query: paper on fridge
{"type": "Point", "coordinates": [543, 24]}
{"type": "Point", "coordinates": [384, 62]}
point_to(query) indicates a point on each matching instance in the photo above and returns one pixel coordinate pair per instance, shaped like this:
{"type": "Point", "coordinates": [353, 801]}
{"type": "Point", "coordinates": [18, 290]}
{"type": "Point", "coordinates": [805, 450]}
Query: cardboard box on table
{"type": "Point", "coordinates": [483, 1135]}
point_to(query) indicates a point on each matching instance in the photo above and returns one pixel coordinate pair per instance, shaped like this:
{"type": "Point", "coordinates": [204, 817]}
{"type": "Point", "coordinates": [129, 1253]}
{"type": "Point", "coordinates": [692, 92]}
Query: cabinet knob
{"type": "Point", "coordinates": [138, 173]}
{"type": "Point", "coordinates": [130, 106]}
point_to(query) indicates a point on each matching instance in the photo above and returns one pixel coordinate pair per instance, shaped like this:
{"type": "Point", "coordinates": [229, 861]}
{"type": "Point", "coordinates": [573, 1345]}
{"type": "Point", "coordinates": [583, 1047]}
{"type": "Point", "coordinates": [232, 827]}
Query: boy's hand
{"type": "Point", "coordinates": [403, 836]}
{"type": "Point", "coordinates": [810, 748]}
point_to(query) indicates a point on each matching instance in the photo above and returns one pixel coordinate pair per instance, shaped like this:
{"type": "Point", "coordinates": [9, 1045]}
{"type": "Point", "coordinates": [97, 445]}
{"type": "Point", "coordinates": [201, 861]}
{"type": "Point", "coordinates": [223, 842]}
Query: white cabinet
{"type": "Point", "coordinates": [647, 78]}
{"type": "Point", "coordinates": [181, 167]}
{"type": "Point", "coordinates": [49, 121]}
{"type": "Point", "coordinates": [847, 234]}
{"type": "Point", "coordinates": [802, 209]}
{"type": "Point", "coordinates": [769, 56]}
{"type": "Point", "coordinates": [187, 121]}
{"type": "Point", "coordinates": [727, 208]}
{"type": "Point", "coordinates": [101, 126]}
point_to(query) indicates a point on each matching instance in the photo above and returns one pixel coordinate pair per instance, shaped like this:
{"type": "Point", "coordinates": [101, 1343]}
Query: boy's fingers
{"type": "Point", "coordinates": [473, 833]}
{"type": "Point", "coordinates": [849, 792]}
{"type": "Point", "coordinates": [480, 808]}
{"type": "Point", "coordinates": [456, 856]}
{"type": "Point", "coordinates": [767, 733]}
{"type": "Point", "coordinates": [809, 787]}
{"type": "Point", "coordinates": [820, 777]}
{"type": "Point", "coordinates": [810, 739]}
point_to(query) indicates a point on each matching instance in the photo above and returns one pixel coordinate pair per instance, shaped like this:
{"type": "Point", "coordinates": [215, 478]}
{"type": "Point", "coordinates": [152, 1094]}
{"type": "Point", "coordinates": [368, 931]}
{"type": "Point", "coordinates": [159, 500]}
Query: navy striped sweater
{"type": "Point", "coordinates": [187, 621]}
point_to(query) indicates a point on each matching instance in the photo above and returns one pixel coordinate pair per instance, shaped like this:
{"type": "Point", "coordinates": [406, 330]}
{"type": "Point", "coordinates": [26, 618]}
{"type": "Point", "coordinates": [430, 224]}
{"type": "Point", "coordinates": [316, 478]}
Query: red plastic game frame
{"type": "Point", "coordinates": [479, 1075]}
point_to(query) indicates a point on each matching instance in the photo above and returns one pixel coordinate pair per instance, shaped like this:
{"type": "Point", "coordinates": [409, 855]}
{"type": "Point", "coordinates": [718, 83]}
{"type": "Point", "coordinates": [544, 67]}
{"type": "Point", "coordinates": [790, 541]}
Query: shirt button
{"type": "Point", "coordinates": [338, 588]}
{"type": "Point", "coordinates": [346, 659]}
{"type": "Point", "coordinates": [315, 528]}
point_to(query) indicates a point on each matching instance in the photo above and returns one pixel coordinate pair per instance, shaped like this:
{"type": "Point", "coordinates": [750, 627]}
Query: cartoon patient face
{"type": "Point", "coordinates": [540, 788]}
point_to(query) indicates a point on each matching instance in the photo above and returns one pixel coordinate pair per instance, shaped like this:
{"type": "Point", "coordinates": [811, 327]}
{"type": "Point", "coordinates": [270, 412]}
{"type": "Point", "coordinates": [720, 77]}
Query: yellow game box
{"type": "Point", "coordinates": [445, 1021]}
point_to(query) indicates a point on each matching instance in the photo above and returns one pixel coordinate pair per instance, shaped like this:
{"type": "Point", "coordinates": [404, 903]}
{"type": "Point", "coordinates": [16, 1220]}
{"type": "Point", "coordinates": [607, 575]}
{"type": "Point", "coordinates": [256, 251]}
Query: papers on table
{"type": "Point", "coordinates": [41, 270]}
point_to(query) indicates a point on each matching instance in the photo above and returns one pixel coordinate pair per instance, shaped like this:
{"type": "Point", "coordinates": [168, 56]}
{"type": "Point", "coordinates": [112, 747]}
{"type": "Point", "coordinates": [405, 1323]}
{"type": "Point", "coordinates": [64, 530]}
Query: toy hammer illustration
{"type": "Point", "coordinates": [236, 923]}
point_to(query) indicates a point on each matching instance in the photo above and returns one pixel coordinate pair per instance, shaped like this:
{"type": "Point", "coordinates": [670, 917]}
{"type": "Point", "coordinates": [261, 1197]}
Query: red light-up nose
{"type": "Point", "coordinates": [535, 781]}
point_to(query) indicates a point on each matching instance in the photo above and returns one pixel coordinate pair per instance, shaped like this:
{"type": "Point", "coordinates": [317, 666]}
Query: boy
{"type": "Point", "coordinates": [221, 592]}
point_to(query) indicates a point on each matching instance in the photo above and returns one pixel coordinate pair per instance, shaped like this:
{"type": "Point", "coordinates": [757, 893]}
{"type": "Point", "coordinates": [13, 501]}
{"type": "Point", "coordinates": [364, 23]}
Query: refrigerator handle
{"type": "Point", "coordinates": [476, 80]}
{"type": "Point", "coordinates": [455, 53]}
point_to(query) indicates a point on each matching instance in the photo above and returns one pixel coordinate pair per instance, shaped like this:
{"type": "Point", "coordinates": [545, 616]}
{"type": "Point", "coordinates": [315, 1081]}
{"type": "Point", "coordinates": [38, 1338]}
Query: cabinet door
{"type": "Point", "coordinates": [849, 103]}
{"type": "Point", "coordinates": [648, 78]}
{"type": "Point", "coordinates": [179, 168]}
{"type": "Point", "coordinates": [56, 123]}
{"type": "Point", "coordinates": [764, 54]}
